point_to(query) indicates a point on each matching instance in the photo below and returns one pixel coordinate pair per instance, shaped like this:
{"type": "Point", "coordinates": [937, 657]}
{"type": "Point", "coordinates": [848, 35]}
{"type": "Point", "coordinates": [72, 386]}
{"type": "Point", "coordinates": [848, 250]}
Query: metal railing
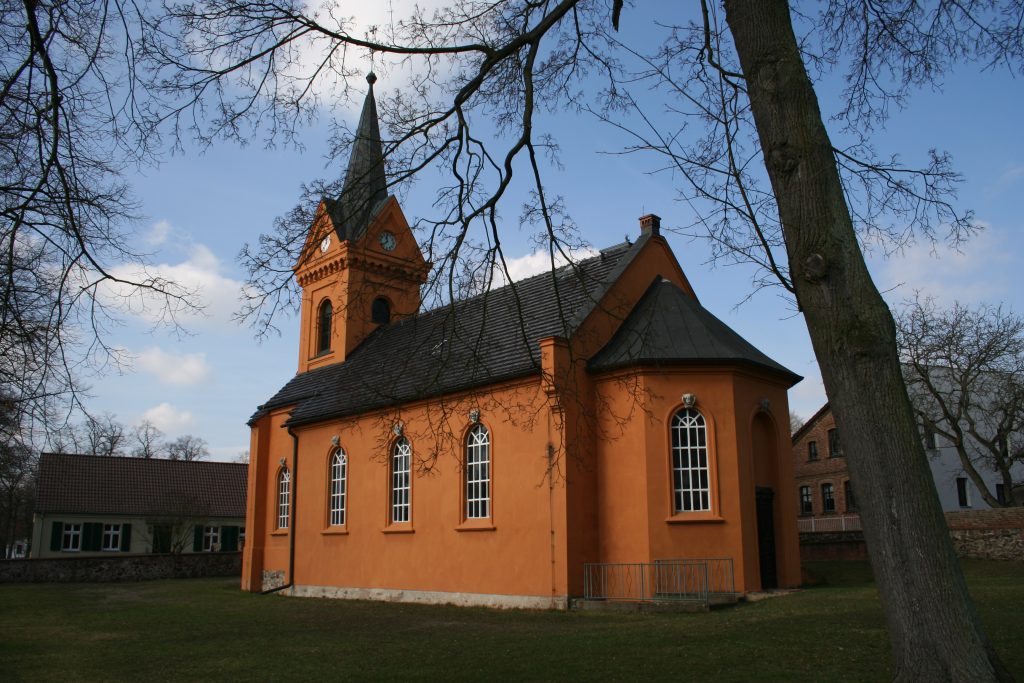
{"type": "Point", "coordinates": [829, 524]}
{"type": "Point", "coordinates": [678, 580]}
{"type": "Point", "coordinates": [719, 571]}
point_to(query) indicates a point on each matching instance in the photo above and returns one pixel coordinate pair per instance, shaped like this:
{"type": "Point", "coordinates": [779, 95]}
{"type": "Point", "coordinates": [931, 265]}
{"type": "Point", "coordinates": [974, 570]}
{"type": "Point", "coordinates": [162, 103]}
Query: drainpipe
{"type": "Point", "coordinates": [293, 511]}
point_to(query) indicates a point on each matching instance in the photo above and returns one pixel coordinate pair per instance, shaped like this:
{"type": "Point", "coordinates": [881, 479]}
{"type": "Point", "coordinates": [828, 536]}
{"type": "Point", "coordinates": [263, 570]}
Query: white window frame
{"type": "Point", "coordinates": [691, 471]}
{"type": "Point", "coordinates": [808, 498]}
{"type": "Point", "coordinates": [211, 539]}
{"type": "Point", "coordinates": [111, 538]}
{"type": "Point", "coordinates": [830, 497]}
{"type": "Point", "coordinates": [401, 481]}
{"type": "Point", "coordinates": [284, 498]}
{"type": "Point", "coordinates": [338, 487]}
{"type": "Point", "coordinates": [478, 473]}
{"type": "Point", "coordinates": [71, 538]}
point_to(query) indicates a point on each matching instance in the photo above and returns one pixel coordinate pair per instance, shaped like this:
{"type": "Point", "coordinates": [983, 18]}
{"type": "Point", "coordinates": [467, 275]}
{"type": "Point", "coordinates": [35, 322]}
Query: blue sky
{"type": "Point", "coordinates": [202, 207]}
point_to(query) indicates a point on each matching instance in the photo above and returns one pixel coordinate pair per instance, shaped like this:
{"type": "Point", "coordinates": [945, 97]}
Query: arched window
{"type": "Point", "coordinates": [284, 498]}
{"type": "Point", "coordinates": [380, 311]}
{"type": "Point", "coordinates": [478, 473]}
{"type": "Point", "coordinates": [339, 483]}
{"type": "Point", "coordinates": [401, 467]}
{"type": "Point", "coordinates": [323, 326]}
{"type": "Point", "coordinates": [690, 481]}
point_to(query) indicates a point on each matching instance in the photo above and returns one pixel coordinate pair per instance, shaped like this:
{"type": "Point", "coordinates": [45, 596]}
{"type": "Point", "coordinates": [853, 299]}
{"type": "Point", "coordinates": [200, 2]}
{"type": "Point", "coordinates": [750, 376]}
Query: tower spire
{"type": "Point", "coordinates": [365, 184]}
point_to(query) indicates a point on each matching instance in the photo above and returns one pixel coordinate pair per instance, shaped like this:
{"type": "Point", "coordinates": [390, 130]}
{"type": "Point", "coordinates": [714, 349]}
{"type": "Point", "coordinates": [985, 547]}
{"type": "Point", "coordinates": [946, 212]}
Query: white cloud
{"type": "Point", "coordinates": [174, 368]}
{"type": "Point", "coordinates": [373, 21]}
{"type": "Point", "coordinates": [198, 277]}
{"type": "Point", "coordinates": [538, 262]}
{"type": "Point", "coordinates": [169, 419]}
{"type": "Point", "coordinates": [158, 234]}
{"type": "Point", "coordinates": [980, 271]}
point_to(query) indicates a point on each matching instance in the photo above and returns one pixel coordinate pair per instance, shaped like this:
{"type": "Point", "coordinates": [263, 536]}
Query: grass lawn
{"type": "Point", "coordinates": [206, 629]}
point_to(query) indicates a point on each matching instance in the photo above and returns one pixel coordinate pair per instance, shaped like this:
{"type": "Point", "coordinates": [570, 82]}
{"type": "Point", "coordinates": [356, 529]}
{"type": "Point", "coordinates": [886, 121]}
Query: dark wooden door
{"type": "Point", "coordinates": [766, 536]}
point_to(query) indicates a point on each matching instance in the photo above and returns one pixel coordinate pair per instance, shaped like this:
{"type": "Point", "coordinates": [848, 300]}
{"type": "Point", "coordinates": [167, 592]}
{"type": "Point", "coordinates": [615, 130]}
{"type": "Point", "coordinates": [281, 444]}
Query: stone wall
{"type": "Point", "coordinates": [996, 534]}
{"type": "Point", "coordinates": [121, 568]}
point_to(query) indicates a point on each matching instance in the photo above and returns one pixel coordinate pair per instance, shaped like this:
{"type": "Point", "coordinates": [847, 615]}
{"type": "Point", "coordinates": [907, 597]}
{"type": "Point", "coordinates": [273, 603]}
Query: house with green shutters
{"type": "Point", "coordinates": [89, 505]}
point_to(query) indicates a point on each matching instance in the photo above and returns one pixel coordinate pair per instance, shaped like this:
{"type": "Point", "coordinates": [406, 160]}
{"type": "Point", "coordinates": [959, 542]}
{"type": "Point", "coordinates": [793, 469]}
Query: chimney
{"type": "Point", "coordinates": [650, 224]}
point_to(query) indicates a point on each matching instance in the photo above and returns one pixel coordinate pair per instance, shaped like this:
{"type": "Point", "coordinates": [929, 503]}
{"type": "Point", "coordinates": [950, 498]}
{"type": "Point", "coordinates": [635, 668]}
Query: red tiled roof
{"type": "Point", "coordinates": [91, 484]}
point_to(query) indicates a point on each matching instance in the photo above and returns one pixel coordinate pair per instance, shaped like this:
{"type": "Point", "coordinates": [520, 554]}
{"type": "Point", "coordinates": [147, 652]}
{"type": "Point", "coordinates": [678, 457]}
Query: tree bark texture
{"type": "Point", "coordinates": [934, 629]}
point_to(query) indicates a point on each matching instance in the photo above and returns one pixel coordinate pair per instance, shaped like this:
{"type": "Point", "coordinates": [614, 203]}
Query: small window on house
{"type": "Point", "coordinates": [835, 449]}
{"type": "Point", "coordinates": [812, 450]}
{"type": "Point", "coordinates": [380, 311]}
{"type": "Point", "coordinates": [284, 498]}
{"type": "Point", "coordinates": [111, 537]}
{"type": "Point", "coordinates": [1001, 494]}
{"type": "Point", "coordinates": [401, 468]}
{"type": "Point", "coordinates": [851, 501]}
{"type": "Point", "coordinates": [339, 483]}
{"type": "Point", "coordinates": [72, 538]}
{"type": "Point", "coordinates": [828, 498]}
{"type": "Point", "coordinates": [691, 489]}
{"type": "Point", "coordinates": [478, 473]}
{"type": "Point", "coordinates": [211, 539]}
{"type": "Point", "coordinates": [323, 327]}
{"type": "Point", "coordinates": [963, 494]}
{"type": "Point", "coordinates": [806, 503]}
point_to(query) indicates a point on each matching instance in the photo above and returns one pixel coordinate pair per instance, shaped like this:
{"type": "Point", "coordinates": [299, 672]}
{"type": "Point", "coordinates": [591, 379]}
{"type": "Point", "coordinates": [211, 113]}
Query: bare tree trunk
{"type": "Point", "coordinates": [934, 629]}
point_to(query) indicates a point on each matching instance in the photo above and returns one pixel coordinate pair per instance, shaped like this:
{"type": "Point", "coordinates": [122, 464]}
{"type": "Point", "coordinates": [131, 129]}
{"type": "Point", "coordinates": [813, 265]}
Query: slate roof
{"type": "Point", "coordinates": [91, 484]}
{"type": "Point", "coordinates": [669, 327]}
{"type": "Point", "coordinates": [475, 342]}
{"type": "Point", "coordinates": [365, 189]}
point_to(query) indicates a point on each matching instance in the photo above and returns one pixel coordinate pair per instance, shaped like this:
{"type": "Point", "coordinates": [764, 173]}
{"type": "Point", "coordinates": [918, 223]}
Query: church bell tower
{"type": "Point", "coordinates": [360, 267]}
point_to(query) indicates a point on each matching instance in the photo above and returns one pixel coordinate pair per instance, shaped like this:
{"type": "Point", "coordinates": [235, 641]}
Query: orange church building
{"type": "Point", "coordinates": [484, 452]}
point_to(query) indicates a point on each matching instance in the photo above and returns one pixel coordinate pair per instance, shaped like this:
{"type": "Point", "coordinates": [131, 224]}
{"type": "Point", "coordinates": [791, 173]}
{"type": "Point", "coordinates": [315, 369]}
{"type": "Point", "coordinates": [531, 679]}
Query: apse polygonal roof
{"type": "Point", "coordinates": [669, 327]}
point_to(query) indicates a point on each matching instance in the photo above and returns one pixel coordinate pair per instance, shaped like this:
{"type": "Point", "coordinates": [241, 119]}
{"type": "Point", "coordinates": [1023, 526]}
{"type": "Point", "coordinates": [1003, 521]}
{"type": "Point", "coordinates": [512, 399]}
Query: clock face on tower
{"type": "Point", "coordinates": [325, 244]}
{"type": "Point", "coordinates": [387, 241]}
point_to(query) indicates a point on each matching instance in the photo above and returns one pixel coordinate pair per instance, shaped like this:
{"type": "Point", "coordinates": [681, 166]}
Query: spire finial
{"type": "Point", "coordinates": [371, 78]}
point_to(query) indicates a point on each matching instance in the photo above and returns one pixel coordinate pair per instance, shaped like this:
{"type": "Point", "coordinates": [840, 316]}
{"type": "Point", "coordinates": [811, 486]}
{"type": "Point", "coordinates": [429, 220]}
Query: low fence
{"type": "Point", "coordinates": [828, 524]}
{"type": "Point", "coordinates": [121, 568]}
{"type": "Point", "coordinates": [677, 580]}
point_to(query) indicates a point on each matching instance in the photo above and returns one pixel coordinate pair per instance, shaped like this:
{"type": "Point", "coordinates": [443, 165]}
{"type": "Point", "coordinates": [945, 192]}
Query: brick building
{"type": "Point", "coordinates": [825, 498]}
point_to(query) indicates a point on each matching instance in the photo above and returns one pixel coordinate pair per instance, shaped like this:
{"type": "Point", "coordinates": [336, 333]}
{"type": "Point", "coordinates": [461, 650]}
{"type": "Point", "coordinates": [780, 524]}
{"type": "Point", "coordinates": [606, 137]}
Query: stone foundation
{"type": "Point", "coordinates": [431, 597]}
{"type": "Point", "coordinates": [271, 579]}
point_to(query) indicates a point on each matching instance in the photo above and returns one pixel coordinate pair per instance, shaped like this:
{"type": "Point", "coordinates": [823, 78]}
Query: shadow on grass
{"type": "Point", "coordinates": [208, 630]}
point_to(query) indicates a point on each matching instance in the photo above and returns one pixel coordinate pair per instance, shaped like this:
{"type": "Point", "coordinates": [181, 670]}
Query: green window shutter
{"type": "Point", "coordinates": [126, 537]}
{"type": "Point", "coordinates": [229, 539]}
{"type": "Point", "coordinates": [56, 535]}
{"type": "Point", "coordinates": [197, 539]}
{"type": "Point", "coordinates": [92, 536]}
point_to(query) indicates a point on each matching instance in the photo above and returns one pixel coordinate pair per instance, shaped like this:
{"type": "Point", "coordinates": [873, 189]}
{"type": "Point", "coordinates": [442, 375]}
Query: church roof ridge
{"type": "Point", "coordinates": [470, 342]}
